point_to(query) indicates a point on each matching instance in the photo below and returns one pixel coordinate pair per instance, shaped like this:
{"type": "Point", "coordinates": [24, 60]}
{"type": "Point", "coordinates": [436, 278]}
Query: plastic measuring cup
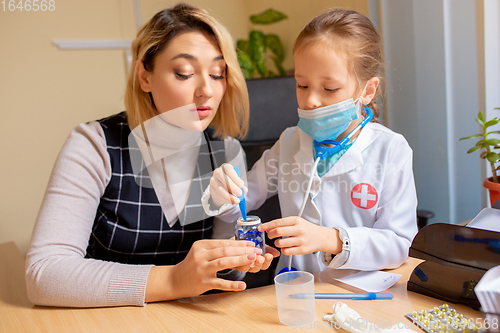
{"type": "Point", "coordinates": [292, 310]}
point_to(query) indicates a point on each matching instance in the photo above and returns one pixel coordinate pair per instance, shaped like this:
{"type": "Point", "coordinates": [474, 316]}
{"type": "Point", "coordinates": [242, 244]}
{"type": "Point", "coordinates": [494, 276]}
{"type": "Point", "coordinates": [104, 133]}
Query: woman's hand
{"type": "Point", "coordinates": [225, 185]}
{"type": "Point", "coordinates": [197, 273]}
{"type": "Point", "coordinates": [262, 262]}
{"type": "Point", "coordinates": [302, 236]}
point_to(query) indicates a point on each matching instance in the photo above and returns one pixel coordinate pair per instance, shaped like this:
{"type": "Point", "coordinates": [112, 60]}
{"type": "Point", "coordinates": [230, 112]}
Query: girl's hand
{"type": "Point", "coordinates": [197, 273]}
{"type": "Point", "coordinates": [303, 237]}
{"type": "Point", "coordinates": [225, 185]}
{"type": "Point", "coordinates": [262, 262]}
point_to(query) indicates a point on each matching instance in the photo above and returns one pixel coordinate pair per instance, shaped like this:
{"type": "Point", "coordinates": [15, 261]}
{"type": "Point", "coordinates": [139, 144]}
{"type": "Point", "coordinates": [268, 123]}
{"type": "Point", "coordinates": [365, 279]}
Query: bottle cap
{"type": "Point", "coordinates": [251, 220]}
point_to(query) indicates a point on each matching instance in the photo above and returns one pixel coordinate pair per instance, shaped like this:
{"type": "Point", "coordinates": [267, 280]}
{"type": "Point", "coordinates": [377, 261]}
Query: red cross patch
{"type": "Point", "coordinates": [364, 196]}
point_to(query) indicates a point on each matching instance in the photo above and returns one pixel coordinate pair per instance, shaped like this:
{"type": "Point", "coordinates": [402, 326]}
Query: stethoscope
{"type": "Point", "coordinates": [321, 152]}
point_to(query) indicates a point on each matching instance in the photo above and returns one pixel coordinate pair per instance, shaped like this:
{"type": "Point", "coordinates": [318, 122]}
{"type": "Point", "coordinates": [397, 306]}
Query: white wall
{"type": "Point", "coordinates": [491, 62]}
{"type": "Point", "coordinates": [432, 99]}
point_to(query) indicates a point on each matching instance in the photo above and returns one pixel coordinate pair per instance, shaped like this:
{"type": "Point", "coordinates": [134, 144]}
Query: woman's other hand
{"type": "Point", "coordinates": [197, 273]}
{"type": "Point", "coordinates": [261, 262]}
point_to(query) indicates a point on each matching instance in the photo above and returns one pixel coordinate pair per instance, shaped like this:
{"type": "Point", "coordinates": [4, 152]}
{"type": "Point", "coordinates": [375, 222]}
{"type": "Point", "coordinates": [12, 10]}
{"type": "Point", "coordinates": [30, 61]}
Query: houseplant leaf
{"type": "Point", "coordinates": [473, 149]}
{"type": "Point", "coordinates": [279, 66]}
{"type": "Point", "coordinates": [480, 115]}
{"type": "Point", "coordinates": [268, 17]}
{"type": "Point", "coordinates": [242, 45]}
{"type": "Point", "coordinates": [493, 157]}
{"type": "Point", "coordinates": [492, 142]}
{"type": "Point", "coordinates": [257, 51]}
{"type": "Point", "coordinates": [470, 137]}
{"type": "Point", "coordinates": [487, 144]}
{"type": "Point", "coordinates": [492, 122]}
{"type": "Point", "coordinates": [273, 42]}
{"type": "Point", "coordinates": [245, 64]}
{"type": "Point", "coordinates": [257, 44]}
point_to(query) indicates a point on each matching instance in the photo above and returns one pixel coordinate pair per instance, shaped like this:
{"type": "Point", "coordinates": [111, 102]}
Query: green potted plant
{"type": "Point", "coordinates": [486, 144]}
{"type": "Point", "coordinates": [252, 53]}
{"type": "Point", "coordinates": [270, 90]}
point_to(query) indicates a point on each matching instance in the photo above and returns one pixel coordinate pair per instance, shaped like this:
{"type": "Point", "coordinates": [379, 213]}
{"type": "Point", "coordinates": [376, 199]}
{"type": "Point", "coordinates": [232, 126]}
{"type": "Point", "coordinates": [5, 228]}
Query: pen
{"type": "Point", "coordinates": [353, 296]}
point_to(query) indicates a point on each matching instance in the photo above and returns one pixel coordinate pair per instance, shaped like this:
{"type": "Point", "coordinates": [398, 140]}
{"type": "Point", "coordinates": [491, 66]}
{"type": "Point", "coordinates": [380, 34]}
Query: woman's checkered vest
{"type": "Point", "coordinates": [130, 226]}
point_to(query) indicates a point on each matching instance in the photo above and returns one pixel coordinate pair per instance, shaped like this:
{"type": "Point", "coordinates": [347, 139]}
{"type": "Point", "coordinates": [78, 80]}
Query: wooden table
{"type": "Point", "coordinates": [252, 310]}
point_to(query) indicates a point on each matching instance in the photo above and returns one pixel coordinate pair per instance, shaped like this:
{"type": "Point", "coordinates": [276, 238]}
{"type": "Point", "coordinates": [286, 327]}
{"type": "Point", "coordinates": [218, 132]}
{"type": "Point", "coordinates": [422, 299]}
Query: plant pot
{"type": "Point", "coordinates": [494, 189]}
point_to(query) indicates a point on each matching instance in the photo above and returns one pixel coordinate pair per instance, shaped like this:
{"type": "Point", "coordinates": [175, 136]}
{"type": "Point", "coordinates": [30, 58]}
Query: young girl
{"type": "Point", "coordinates": [107, 234]}
{"type": "Point", "coordinates": [345, 184]}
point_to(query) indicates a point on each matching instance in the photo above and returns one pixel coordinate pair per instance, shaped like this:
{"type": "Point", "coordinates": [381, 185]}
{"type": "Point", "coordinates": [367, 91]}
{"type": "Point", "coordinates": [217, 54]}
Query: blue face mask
{"type": "Point", "coordinates": [328, 122]}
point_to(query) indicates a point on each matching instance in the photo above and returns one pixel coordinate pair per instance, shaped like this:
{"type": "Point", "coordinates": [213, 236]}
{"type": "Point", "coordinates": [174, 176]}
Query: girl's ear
{"type": "Point", "coordinates": [371, 89]}
{"type": "Point", "coordinates": [144, 77]}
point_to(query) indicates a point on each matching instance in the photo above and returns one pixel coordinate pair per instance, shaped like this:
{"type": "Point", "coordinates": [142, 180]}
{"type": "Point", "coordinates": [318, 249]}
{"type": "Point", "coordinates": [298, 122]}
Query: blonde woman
{"type": "Point", "coordinates": [108, 234]}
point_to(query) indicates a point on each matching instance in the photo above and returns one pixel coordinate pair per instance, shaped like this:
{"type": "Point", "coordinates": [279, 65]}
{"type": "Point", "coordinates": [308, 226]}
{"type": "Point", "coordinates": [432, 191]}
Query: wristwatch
{"type": "Point", "coordinates": [335, 261]}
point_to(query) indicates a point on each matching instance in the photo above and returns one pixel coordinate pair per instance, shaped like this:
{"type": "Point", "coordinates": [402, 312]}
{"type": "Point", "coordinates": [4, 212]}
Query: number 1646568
{"type": "Point", "coordinates": [28, 5]}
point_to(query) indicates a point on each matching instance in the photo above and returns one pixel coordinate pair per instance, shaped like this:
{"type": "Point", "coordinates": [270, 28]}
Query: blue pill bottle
{"type": "Point", "coordinates": [247, 230]}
